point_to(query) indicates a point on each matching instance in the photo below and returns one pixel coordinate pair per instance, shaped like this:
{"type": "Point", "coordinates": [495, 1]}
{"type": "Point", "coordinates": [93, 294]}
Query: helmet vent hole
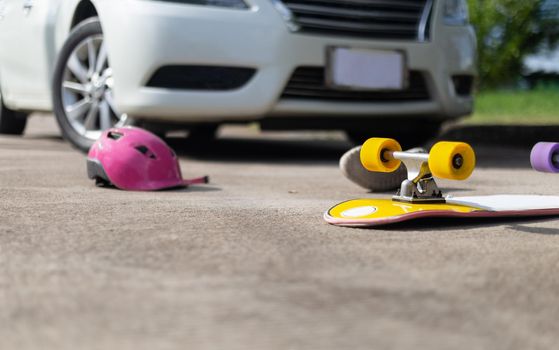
{"type": "Point", "coordinates": [113, 135]}
{"type": "Point", "coordinates": [142, 149]}
{"type": "Point", "coordinates": [145, 151]}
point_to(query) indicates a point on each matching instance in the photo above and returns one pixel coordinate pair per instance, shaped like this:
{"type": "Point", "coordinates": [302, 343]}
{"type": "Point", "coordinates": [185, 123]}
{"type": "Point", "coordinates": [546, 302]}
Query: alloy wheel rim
{"type": "Point", "coordinates": [87, 89]}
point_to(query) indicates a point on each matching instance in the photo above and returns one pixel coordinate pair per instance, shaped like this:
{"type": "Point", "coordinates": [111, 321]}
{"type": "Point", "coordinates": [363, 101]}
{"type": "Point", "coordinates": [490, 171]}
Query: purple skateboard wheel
{"type": "Point", "coordinates": [542, 156]}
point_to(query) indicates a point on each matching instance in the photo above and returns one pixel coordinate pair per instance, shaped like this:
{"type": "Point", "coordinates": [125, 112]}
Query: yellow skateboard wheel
{"type": "Point", "coordinates": [452, 160]}
{"type": "Point", "coordinates": [373, 157]}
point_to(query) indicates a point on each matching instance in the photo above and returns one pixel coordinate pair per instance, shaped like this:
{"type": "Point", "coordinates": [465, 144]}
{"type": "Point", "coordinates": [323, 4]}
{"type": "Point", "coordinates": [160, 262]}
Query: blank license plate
{"type": "Point", "coordinates": [362, 69]}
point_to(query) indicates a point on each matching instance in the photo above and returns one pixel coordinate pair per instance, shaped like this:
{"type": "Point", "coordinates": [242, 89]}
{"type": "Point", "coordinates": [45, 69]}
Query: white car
{"type": "Point", "coordinates": [371, 67]}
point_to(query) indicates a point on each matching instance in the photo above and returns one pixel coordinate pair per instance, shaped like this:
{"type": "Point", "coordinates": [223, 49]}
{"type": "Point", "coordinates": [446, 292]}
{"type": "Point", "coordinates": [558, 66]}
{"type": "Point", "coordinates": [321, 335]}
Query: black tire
{"type": "Point", "coordinates": [88, 28]}
{"type": "Point", "coordinates": [11, 122]}
{"type": "Point", "coordinates": [408, 133]}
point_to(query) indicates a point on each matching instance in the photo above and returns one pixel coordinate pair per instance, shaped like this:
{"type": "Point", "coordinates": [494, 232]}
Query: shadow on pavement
{"type": "Point", "coordinates": [535, 230]}
{"type": "Point", "coordinates": [261, 150]}
{"type": "Point", "coordinates": [191, 188]}
{"type": "Point", "coordinates": [502, 157]}
{"type": "Point", "coordinates": [195, 188]}
{"type": "Point", "coordinates": [502, 146]}
{"type": "Point", "coordinates": [430, 224]}
{"type": "Point", "coordinates": [521, 136]}
{"type": "Point", "coordinates": [56, 138]}
{"type": "Point", "coordinates": [318, 151]}
{"type": "Point", "coordinates": [496, 146]}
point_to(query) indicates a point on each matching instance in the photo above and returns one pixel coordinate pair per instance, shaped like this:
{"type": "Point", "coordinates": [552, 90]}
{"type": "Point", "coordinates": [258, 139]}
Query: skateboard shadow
{"type": "Point", "coordinates": [535, 230]}
{"type": "Point", "coordinates": [462, 223]}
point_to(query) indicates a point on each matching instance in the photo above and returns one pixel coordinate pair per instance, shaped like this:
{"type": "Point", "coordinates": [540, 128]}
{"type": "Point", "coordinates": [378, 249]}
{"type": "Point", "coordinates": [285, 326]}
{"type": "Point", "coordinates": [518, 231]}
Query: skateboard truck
{"type": "Point", "coordinates": [446, 160]}
{"type": "Point", "coordinates": [420, 186]}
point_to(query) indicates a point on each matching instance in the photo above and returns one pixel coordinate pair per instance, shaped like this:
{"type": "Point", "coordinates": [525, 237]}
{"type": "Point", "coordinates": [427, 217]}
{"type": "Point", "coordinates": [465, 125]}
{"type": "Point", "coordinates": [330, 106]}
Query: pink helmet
{"type": "Point", "coordinates": [134, 159]}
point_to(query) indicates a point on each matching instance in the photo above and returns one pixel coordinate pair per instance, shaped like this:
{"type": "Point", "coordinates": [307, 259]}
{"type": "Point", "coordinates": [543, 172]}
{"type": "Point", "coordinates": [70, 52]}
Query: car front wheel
{"type": "Point", "coordinates": [83, 97]}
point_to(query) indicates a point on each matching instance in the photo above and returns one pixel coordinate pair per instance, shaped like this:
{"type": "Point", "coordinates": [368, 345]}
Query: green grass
{"type": "Point", "coordinates": [540, 106]}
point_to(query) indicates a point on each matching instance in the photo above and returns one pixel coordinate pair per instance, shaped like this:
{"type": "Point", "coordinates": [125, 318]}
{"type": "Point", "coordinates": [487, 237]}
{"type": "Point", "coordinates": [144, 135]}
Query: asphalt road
{"type": "Point", "coordinates": [248, 262]}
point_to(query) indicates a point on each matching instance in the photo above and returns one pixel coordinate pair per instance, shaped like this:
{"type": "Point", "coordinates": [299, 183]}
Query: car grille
{"type": "Point", "coordinates": [308, 83]}
{"type": "Point", "coordinates": [381, 19]}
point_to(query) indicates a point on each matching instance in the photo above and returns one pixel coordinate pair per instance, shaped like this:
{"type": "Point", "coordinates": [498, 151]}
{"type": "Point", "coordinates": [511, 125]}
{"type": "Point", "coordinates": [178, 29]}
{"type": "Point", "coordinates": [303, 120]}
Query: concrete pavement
{"type": "Point", "coordinates": [248, 263]}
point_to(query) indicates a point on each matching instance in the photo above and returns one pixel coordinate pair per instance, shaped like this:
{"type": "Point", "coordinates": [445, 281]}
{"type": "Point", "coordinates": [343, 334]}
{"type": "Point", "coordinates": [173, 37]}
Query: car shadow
{"type": "Point", "coordinates": [501, 146]}
{"type": "Point", "coordinates": [56, 138]}
{"type": "Point", "coordinates": [518, 136]}
{"type": "Point", "coordinates": [261, 150]}
{"type": "Point", "coordinates": [269, 150]}
{"type": "Point", "coordinates": [496, 146]}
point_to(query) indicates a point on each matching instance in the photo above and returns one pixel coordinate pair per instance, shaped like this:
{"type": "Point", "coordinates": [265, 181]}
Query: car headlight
{"type": "Point", "coordinates": [456, 12]}
{"type": "Point", "coordinates": [238, 4]}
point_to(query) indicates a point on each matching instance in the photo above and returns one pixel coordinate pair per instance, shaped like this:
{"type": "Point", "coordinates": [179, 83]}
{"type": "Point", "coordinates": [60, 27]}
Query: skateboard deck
{"type": "Point", "coordinates": [377, 212]}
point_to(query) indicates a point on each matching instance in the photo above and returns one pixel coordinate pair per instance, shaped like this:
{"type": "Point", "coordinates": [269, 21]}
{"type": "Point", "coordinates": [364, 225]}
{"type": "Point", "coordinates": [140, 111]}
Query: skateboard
{"type": "Point", "coordinates": [420, 197]}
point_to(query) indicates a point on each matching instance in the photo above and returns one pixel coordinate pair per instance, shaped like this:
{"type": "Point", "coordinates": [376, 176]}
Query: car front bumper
{"type": "Point", "coordinates": [143, 36]}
